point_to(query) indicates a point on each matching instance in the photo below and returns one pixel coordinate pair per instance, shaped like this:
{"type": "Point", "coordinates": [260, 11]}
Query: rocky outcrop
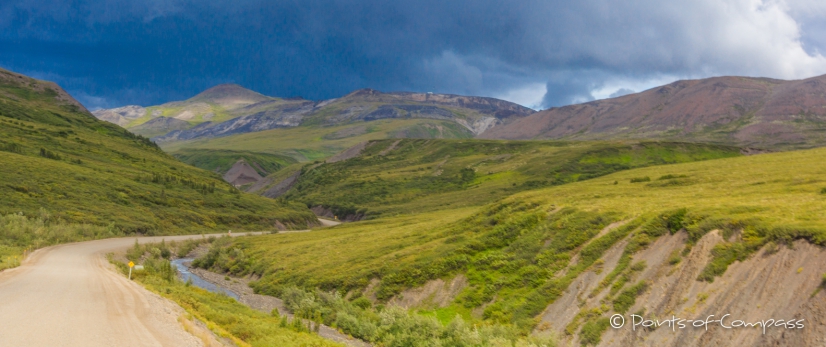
{"type": "Point", "coordinates": [266, 120]}
{"type": "Point", "coordinates": [242, 173]}
{"type": "Point", "coordinates": [160, 125]}
{"type": "Point", "coordinates": [499, 109]}
{"type": "Point", "coordinates": [282, 187]}
{"type": "Point", "coordinates": [477, 114]}
{"type": "Point", "coordinates": [121, 115]}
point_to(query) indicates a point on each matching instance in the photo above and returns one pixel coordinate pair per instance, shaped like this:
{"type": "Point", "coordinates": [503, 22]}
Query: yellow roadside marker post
{"type": "Point", "coordinates": [131, 265]}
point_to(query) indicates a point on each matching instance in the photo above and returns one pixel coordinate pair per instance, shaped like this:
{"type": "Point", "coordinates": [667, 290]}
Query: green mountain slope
{"type": "Point", "coordinates": [221, 161]}
{"type": "Point", "coordinates": [219, 103]}
{"type": "Point", "coordinates": [411, 176]}
{"type": "Point", "coordinates": [56, 156]}
{"type": "Point", "coordinates": [655, 240]}
{"type": "Point", "coordinates": [310, 143]}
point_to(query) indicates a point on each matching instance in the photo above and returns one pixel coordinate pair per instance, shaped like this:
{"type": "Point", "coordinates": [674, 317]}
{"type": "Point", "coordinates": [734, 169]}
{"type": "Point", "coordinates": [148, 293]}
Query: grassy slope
{"type": "Point", "coordinates": [309, 143]}
{"type": "Point", "coordinates": [425, 175]}
{"type": "Point", "coordinates": [222, 160]}
{"type": "Point", "coordinates": [514, 251]}
{"type": "Point", "coordinates": [56, 156]}
{"type": "Point", "coordinates": [199, 110]}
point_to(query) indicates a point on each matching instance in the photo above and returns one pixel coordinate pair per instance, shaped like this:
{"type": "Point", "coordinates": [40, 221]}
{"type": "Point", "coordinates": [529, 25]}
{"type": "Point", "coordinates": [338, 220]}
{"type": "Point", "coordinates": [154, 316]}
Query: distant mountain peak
{"type": "Point", "coordinates": [230, 93]}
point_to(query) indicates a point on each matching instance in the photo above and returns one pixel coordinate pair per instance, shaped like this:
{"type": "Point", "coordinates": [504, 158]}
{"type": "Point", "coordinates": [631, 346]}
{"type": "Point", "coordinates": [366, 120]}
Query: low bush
{"type": "Point", "coordinates": [591, 332]}
{"type": "Point", "coordinates": [624, 301]}
{"type": "Point", "coordinates": [20, 233]}
{"type": "Point", "coordinates": [670, 176]}
{"type": "Point", "coordinates": [396, 327]}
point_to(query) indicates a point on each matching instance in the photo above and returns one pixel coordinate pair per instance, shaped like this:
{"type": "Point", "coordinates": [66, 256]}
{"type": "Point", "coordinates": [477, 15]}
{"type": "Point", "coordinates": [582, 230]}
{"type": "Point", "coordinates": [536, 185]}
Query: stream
{"type": "Point", "coordinates": [185, 275]}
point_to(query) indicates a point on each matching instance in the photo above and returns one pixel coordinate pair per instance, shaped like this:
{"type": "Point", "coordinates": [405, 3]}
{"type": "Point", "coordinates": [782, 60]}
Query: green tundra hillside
{"type": "Point", "coordinates": [221, 161]}
{"type": "Point", "coordinates": [55, 156]}
{"type": "Point", "coordinates": [743, 233]}
{"type": "Point", "coordinates": [414, 175]}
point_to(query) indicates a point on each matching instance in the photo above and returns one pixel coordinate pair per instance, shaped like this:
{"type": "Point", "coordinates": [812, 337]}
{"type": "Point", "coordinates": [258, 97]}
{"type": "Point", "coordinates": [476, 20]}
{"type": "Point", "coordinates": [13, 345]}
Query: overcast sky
{"type": "Point", "coordinates": [540, 54]}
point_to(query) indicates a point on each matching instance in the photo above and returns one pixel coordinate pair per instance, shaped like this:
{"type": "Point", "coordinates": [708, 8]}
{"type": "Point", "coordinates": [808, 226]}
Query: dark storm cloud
{"type": "Point", "coordinates": [116, 52]}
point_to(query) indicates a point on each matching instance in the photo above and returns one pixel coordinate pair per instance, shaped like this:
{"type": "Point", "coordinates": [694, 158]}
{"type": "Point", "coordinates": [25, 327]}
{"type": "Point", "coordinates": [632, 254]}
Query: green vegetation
{"type": "Point", "coordinates": [640, 179]}
{"type": "Point", "coordinates": [517, 222]}
{"type": "Point", "coordinates": [395, 327]}
{"type": "Point", "coordinates": [727, 253]}
{"type": "Point", "coordinates": [20, 234]}
{"type": "Point", "coordinates": [371, 247]}
{"type": "Point", "coordinates": [628, 297]}
{"type": "Point", "coordinates": [85, 171]}
{"type": "Point", "coordinates": [591, 333]}
{"type": "Point", "coordinates": [425, 175]}
{"type": "Point", "coordinates": [389, 327]}
{"type": "Point", "coordinates": [200, 112]}
{"type": "Point", "coordinates": [518, 254]}
{"type": "Point", "coordinates": [506, 261]}
{"type": "Point", "coordinates": [311, 143]}
{"type": "Point", "coordinates": [222, 160]}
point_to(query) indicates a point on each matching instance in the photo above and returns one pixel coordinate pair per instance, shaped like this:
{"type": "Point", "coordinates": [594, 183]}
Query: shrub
{"type": "Point", "coordinates": [362, 303]}
{"type": "Point", "coordinates": [135, 253]}
{"type": "Point", "coordinates": [591, 332]}
{"type": "Point", "coordinates": [675, 220]}
{"type": "Point", "coordinates": [772, 247]}
{"type": "Point", "coordinates": [670, 176]}
{"type": "Point", "coordinates": [45, 153]}
{"type": "Point", "coordinates": [12, 147]}
{"type": "Point", "coordinates": [675, 258]}
{"type": "Point", "coordinates": [638, 266]}
{"type": "Point", "coordinates": [628, 297]}
{"type": "Point", "coordinates": [641, 179]}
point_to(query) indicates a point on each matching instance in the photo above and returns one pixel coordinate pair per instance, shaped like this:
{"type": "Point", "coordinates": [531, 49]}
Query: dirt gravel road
{"type": "Point", "coordinates": [68, 295]}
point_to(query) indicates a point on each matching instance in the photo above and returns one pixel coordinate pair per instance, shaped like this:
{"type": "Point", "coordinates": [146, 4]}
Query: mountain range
{"type": "Point", "coordinates": [229, 109]}
{"type": "Point", "coordinates": [744, 111]}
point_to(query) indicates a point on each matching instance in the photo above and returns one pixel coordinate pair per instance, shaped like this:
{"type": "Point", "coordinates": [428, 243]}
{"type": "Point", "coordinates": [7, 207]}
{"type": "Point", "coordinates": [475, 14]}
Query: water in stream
{"type": "Point", "coordinates": [183, 271]}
